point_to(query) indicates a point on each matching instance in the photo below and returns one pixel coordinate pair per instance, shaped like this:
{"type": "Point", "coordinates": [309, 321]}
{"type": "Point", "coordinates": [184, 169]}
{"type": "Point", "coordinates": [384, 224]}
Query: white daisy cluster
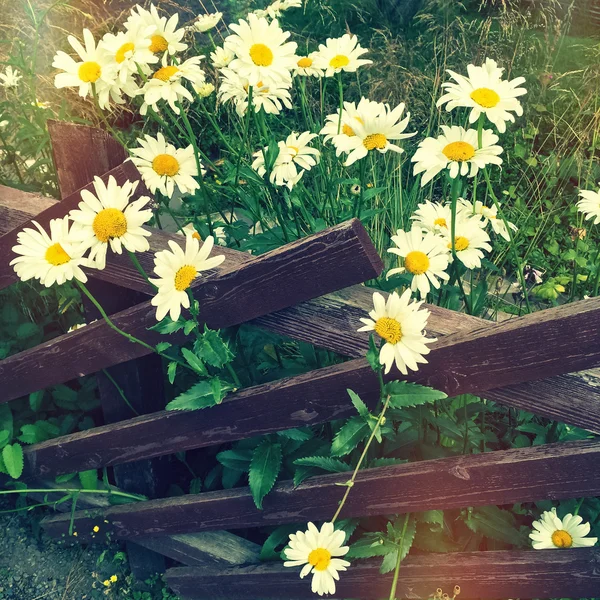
{"type": "Point", "coordinates": [108, 218]}
{"type": "Point", "coordinates": [10, 78]}
{"type": "Point", "coordinates": [141, 60]}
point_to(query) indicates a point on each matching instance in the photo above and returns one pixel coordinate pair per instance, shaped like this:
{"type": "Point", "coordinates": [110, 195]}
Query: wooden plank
{"type": "Point", "coordinates": [17, 207]}
{"type": "Point", "coordinates": [471, 362]}
{"type": "Point", "coordinates": [554, 471]}
{"type": "Point", "coordinates": [539, 574]}
{"type": "Point", "coordinates": [80, 154]}
{"type": "Point", "coordinates": [329, 260]}
{"type": "Point", "coordinates": [206, 548]}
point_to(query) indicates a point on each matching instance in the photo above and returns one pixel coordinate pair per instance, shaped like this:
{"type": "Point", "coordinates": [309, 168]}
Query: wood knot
{"type": "Point", "coordinates": [460, 472]}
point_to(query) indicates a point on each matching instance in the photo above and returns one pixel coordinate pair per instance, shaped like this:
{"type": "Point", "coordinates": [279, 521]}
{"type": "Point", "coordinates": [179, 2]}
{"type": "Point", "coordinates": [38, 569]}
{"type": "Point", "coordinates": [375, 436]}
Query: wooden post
{"type": "Point", "coordinates": [80, 154]}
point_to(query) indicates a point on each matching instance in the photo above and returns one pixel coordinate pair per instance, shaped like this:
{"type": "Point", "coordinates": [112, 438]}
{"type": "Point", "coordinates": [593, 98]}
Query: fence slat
{"type": "Point", "coordinates": [481, 575]}
{"type": "Point", "coordinates": [329, 260]}
{"type": "Point", "coordinates": [553, 471]}
{"type": "Point", "coordinates": [17, 207]}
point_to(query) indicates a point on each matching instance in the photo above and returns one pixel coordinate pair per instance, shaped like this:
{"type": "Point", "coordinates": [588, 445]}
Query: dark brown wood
{"type": "Point", "coordinates": [539, 574]}
{"type": "Point", "coordinates": [207, 548]}
{"type": "Point", "coordinates": [553, 471]}
{"type": "Point", "coordinates": [80, 154]}
{"type": "Point", "coordinates": [323, 262]}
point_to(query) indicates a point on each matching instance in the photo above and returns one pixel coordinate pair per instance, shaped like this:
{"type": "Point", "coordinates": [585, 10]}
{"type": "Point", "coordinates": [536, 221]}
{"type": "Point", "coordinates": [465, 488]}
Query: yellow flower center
{"type": "Point", "coordinates": [196, 236]}
{"type": "Point", "coordinates": [56, 255]}
{"type": "Point", "coordinates": [90, 71]}
{"type": "Point", "coordinates": [165, 73]}
{"type": "Point", "coordinates": [122, 51]}
{"type": "Point", "coordinates": [319, 559]}
{"type": "Point", "coordinates": [375, 140]}
{"type": "Point", "coordinates": [459, 151]}
{"type": "Point", "coordinates": [388, 329]}
{"type": "Point", "coordinates": [416, 262]}
{"type": "Point", "coordinates": [184, 277]}
{"type": "Point", "coordinates": [165, 164]}
{"type": "Point", "coordinates": [562, 539]}
{"type": "Point", "coordinates": [347, 130]}
{"type": "Point", "coordinates": [294, 149]}
{"type": "Point", "coordinates": [441, 222]}
{"type": "Point", "coordinates": [158, 44]}
{"type": "Point", "coordinates": [109, 223]}
{"type": "Point", "coordinates": [305, 62]}
{"type": "Point", "coordinates": [339, 61]}
{"type": "Point", "coordinates": [485, 97]}
{"type": "Point", "coordinates": [261, 55]}
{"type": "Point", "coordinates": [460, 243]}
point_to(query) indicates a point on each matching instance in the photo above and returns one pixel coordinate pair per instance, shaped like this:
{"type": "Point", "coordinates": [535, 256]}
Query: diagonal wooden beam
{"type": "Point", "coordinates": [538, 574]}
{"type": "Point", "coordinates": [556, 471]}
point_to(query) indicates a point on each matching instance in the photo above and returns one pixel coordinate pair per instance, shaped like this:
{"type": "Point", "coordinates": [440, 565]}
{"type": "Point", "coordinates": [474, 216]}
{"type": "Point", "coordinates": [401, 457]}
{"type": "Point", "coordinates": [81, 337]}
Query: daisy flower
{"type": "Point", "coordinates": [221, 57]}
{"type": "Point", "coordinates": [294, 152]}
{"type": "Point", "coordinates": [485, 92]}
{"type": "Point", "coordinates": [488, 214]}
{"type": "Point", "coordinates": [377, 126]}
{"type": "Point", "coordinates": [341, 54]}
{"type": "Point", "coordinates": [176, 270]}
{"type": "Point", "coordinates": [425, 257]}
{"type": "Point", "coordinates": [163, 166]}
{"type": "Point", "coordinates": [128, 49]}
{"type": "Point", "coordinates": [93, 71]}
{"type": "Point", "coordinates": [589, 205]}
{"type": "Point", "coordinates": [262, 52]}
{"type": "Point", "coordinates": [552, 532]}
{"type": "Point", "coordinates": [167, 84]}
{"type": "Point", "coordinates": [206, 22]}
{"type": "Point", "coordinates": [470, 240]}
{"type": "Point", "coordinates": [271, 97]}
{"type": "Point", "coordinates": [219, 234]}
{"type": "Point", "coordinates": [305, 66]}
{"type": "Point", "coordinates": [433, 216]}
{"type": "Point", "coordinates": [107, 218]}
{"type": "Point", "coordinates": [400, 323]}
{"type": "Point", "coordinates": [204, 90]}
{"type": "Point", "coordinates": [53, 258]}
{"type": "Point", "coordinates": [457, 150]}
{"type": "Point", "coordinates": [10, 78]}
{"type": "Point", "coordinates": [353, 115]}
{"type": "Point", "coordinates": [317, 552]}
{"type": "Point", "coordinates": [165, 36]}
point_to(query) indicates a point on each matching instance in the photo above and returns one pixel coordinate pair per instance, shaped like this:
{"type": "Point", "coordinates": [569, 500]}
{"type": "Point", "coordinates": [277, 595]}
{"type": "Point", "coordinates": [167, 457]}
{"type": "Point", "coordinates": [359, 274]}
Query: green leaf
{"type": "Point", "coordinates": [279, 537]}
{"type": "Point", "coordinates": [172, 372]}
{"type": "Point", "coordinates": [189, 327]}
{"type": "Point", "coordinates": [6, 419]}
{"type": "Point", "coordinates": [30, 434]}
{"type": "Point", "coordinates": [299, 435]}
{"type": "Point", "coordinates": [373, 355]}
{"type": "Point", "coordinates": [12, 456]}
{"type": "Point", "coordinates": [194, 361]}
{"type": "Point", "coordinates": [359, 405]}
{"type": "Point", "coordinates": [213, 349]}
{"type": "Point", "coordinates": [35, 400]}
{"type": "Point", "coordinates": [333, 465]}
{"type": "Point", "coordinates": [200, 395]}
{"type": "Point", "coordinates": [404, 543]}
{"type": "Point", "coordinates": [89, 479]}
{"type": "Point", "coordinates": [371, 545]}
{"type": "Point", "coordinates": [495, 523]}
{"type": "Point", "coordinates": [162, 346]}
{"type": "Point", "coordinates": [26, 330]}
{"type": "Point", "coordinates": [168, 326]}
{"type": "Point", "coordinates": [4, 437]}
{"type": "Point", "coordinates": [264, 469]}
{"type": "Point", "coordinates": [349, 436]}
{"type": "Point", "coordinates": [238, 460]}
{"type": "Point", "coordinates": [195, 485]}
{"type": "Point", "coordinates": [404, 394]}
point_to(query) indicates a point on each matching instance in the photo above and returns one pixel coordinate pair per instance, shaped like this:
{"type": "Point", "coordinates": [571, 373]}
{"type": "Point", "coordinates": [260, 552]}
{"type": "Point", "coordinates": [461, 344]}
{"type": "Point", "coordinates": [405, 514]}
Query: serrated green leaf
{"type": "Point", "coordinates": [30, 434]}
{"type": "Point", "coordinates": [213, 350]}
{"type": "Point", "coordinates": [373, 355]}
{"type": "Point", "coordinates": [89, 479]}
{"type": "Point", "coordinates": [12, 456]}
{"type": "Point", "coordinates": [194, 361]}
{"type": "Point", "coordinates": [167, 326]}
{"type": "Point", "coordinates": [4, 437]}
{"type": "Point", "coordinates": [349, 436]}
{"type": "Point", "coordinates": [35, 400]}
{"type": "Point", "coordinates": [162, 346]}
{"type": "Point", "coordinates": [236, 459]}
{"type": "Point", "coordinates": [495, 523]}
{"type": "Point", "coordinates": [332, 465]}
{"type": "Point", "coordinates": [371, 545]}
{"type": "Point", "coordinates": [403, 544]}
{"type": "Point", "coordinates": [359, 405]}
{"type": "Point", "coordinates": [172, 372]}
{"type": "Point", "coordinates": [299, 435]}
{"type": "Point", "coordinates": [200, 395]}
{"type": "Point", "coordinates": [189, 327]}
{"type": "Point", "coordinates": [302, 473]}
{"type": "Point", "coordinates": [404, 394]}
{"type": "Point", "coordinates": [279, 537]}
{"type": "Point", "coordinates": [264, 470]}
{"type": "Point", "coordinates": [6, 419]}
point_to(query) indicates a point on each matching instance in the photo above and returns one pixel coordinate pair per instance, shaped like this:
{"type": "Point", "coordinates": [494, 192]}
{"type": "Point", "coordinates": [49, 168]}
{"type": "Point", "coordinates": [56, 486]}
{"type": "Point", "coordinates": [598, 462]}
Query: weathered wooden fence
{"type": "Point", "coordinates": [301, 290]}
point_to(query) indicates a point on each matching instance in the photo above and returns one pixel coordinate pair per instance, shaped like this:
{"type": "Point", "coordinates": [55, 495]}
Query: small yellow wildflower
{"type": "Point", "coordinates": [113, 578]}
{"type": "Point", "coordinates": [96, 529]}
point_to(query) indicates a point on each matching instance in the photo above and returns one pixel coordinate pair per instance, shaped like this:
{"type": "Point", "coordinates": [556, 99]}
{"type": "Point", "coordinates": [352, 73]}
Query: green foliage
{"type": "Point", "coordinates": [264, 469]}
{"type": "Point", "coordinates": [12, 460]}
{"type": "Point", "coordinates": [203, 394]}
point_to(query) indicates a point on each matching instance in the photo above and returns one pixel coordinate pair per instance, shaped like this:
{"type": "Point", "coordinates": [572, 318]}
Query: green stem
{"type": "Point", "coordinates": [341, 93]}
{"type": "Point", "coordinates": [578, 507]}
{"type": "Point", "coordinates": [121, 392]}
{"type": "Point", "coordinates": [116, 135]}
{"type": "Point", "coordinates": [399, 559]}
{"type": "Point", "coordinates": [74, 491]}
{"type": "Point", "coordinates": [141, 270]}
